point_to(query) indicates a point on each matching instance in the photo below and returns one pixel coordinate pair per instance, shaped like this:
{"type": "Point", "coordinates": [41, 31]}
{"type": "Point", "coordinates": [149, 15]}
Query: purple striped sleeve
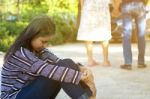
{"type": "Point", "coordinates": [56, 72]}
{"type": "Point", "coordinates": [59, 73]}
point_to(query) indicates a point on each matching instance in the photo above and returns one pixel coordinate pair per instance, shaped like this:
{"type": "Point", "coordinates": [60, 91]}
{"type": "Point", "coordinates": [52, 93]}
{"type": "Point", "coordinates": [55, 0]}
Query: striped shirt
{"type": "Point", "coordinates": [23, 67]}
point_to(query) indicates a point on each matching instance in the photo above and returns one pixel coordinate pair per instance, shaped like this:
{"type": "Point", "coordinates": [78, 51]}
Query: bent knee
{"type": "Point", "coordinates": [68, 63]}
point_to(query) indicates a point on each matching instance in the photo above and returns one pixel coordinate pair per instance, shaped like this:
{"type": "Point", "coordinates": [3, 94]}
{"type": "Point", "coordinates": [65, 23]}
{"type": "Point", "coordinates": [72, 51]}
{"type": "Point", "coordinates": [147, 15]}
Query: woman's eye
{"type": "Point", "coordinates": [44, 42]}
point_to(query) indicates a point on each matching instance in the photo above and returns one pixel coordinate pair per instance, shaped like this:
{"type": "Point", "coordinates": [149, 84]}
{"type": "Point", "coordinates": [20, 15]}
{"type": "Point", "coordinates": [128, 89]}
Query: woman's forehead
{"type": "Point", "coordinates": [47, 37]}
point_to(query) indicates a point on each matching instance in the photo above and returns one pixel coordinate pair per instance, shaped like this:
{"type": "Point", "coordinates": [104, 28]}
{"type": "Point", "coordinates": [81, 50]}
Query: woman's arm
{"type": "Point", "coordinates": [81, 3]}
{"type": "Point", "coordinates": [32, 64]}
{"type": "Point", "coordinates": [48, 56]}
{"type": "Point", "coordinates": [80, 6]}
{"type": "Point", "coordinates": [146, 2]}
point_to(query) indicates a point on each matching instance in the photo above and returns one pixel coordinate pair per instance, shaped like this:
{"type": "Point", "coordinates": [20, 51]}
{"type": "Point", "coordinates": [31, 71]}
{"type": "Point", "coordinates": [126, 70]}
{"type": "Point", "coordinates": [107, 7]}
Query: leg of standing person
{"type": "Point", "coordinates": [105, 46]}
{"type": "Point", "coordinates": [127, 31]}
{"type": "Point", "coordinates": [89, 50]}
{"type": "Point", "coordinates": [141, 25]}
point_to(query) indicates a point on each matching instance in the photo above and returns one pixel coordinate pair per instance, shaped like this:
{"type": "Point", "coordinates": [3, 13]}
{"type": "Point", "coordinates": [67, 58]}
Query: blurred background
{"type": "Point", "coordinates": [15, 15]}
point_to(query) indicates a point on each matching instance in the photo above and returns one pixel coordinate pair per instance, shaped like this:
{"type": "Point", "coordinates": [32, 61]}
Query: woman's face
{"type": "Point", "coordinates": [38, 43]}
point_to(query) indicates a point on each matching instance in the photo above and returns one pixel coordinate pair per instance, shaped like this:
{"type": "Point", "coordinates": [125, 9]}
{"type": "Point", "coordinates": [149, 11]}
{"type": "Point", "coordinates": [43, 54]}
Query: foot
{"type": "Point", "coordinates": [93, 63]}
{"type": "Point", "coordinates": [141, 65]}
{"type": "Point", "coordinates": [126, 66]}
{"type": "Point", "coordinates": [106, 63]}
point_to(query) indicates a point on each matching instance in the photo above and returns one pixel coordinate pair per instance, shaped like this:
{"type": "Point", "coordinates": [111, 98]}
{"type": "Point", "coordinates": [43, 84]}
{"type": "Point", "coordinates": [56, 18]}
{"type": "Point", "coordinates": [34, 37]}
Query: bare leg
{"type": "Point", "coordinates": [89, 50]}
{"type": "Point", "coordinates": [105, 45]}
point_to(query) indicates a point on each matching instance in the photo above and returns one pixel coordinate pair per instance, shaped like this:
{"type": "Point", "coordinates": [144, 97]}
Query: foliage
{"type": "Point", "coordinates": [65, 31]}
{"type": "Point", "coordinates": [27, 11]}
{"type": "Point", "coordinates": [5, 39]}
{"type": "Point", "coordinates": [6, 42]}
{"type": "Point", "coordinates": [16, 14]}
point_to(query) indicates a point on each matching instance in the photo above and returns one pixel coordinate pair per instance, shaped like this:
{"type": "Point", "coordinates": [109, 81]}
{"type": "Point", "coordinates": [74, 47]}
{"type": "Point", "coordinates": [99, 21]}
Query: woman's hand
{"type": "Point", "coordinates": [87, 73]}
{"type": "Point", "coordinates": [88, 79]}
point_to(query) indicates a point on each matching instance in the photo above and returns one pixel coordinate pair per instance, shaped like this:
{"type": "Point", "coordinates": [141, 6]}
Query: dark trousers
{"type": "Point", "coordinates": [44, 88]}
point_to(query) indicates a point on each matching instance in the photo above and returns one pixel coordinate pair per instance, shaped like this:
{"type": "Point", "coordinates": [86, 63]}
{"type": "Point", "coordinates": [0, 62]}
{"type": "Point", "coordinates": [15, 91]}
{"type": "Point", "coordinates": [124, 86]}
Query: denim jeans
{"type": "Point", "coordinates": [134, 12]}
{"type": "Point", "coordinates": [44, 88]}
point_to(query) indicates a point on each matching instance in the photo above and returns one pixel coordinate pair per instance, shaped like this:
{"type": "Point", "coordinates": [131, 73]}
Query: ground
{"type": "Point", "coordinates": [111, 82]}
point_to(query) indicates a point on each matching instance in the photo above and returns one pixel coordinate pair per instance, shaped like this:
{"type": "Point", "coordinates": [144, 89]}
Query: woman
{"type": "Point", "coordinates": [95, 26]}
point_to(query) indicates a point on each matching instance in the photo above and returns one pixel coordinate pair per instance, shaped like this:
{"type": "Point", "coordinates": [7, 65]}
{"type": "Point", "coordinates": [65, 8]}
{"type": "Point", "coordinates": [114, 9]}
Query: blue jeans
{"type": "Point", "coordinates": [44, 88]}
{"type": "Point", "coordinates": [134, 11]}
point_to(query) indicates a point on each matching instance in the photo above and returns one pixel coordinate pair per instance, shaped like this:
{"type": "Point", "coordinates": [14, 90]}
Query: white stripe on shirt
{"type": "Point", "coordinates": [53, 72]}
{"type": "Point", "coordinates": [62, 78]}
{"type": "Point", "coordinates": [75, 77]}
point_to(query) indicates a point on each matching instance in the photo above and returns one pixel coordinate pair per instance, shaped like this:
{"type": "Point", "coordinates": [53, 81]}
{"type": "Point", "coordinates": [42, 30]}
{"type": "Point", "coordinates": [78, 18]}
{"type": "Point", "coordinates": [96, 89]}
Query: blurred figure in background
{"type": "Point", "coordinates": [95, 26]}
{"type": "Point", "coordinates": [133, 10]}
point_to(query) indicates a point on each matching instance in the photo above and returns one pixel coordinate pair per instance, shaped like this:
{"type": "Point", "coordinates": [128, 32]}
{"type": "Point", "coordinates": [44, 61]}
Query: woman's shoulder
{"type": "Point", "coordinates": [25, 53]}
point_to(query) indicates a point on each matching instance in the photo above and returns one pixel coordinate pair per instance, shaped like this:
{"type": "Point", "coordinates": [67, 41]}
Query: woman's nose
{"type": "Point", "coordinates": [45, 45]}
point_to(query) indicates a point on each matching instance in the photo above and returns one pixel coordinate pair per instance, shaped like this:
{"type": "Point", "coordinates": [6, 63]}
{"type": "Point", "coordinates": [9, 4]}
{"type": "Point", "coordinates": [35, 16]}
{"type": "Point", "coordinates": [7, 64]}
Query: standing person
{"type": "Point", "coordinates": [30, 71]}
{"type": "Point", "coordinates": [95, 26]}
{"type": "Point", "coordinates": [133, 10]}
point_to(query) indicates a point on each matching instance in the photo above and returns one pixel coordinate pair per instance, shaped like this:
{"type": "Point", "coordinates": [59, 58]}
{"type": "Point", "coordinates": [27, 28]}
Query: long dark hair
{"type": "Point", "coordinates": [40, 26]}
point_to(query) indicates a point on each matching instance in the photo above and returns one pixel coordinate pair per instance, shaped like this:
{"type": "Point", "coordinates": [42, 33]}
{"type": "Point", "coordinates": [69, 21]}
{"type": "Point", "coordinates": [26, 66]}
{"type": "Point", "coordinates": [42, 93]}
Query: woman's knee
{"type": "Point", "coordinates": [45, 82]}
{"type": "Point", "coordinates": [68, 63]}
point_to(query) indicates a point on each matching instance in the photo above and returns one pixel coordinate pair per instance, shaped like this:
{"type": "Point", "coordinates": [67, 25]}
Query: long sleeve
{"type": "Point", "coordinates": [48, 56]}
{"type": "Point", "coordinates": [30, 63]}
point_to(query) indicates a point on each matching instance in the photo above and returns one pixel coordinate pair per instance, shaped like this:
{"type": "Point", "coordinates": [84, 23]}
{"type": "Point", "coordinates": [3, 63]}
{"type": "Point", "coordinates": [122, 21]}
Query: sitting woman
{"type": "Point", "coordinates": [30, 71]}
